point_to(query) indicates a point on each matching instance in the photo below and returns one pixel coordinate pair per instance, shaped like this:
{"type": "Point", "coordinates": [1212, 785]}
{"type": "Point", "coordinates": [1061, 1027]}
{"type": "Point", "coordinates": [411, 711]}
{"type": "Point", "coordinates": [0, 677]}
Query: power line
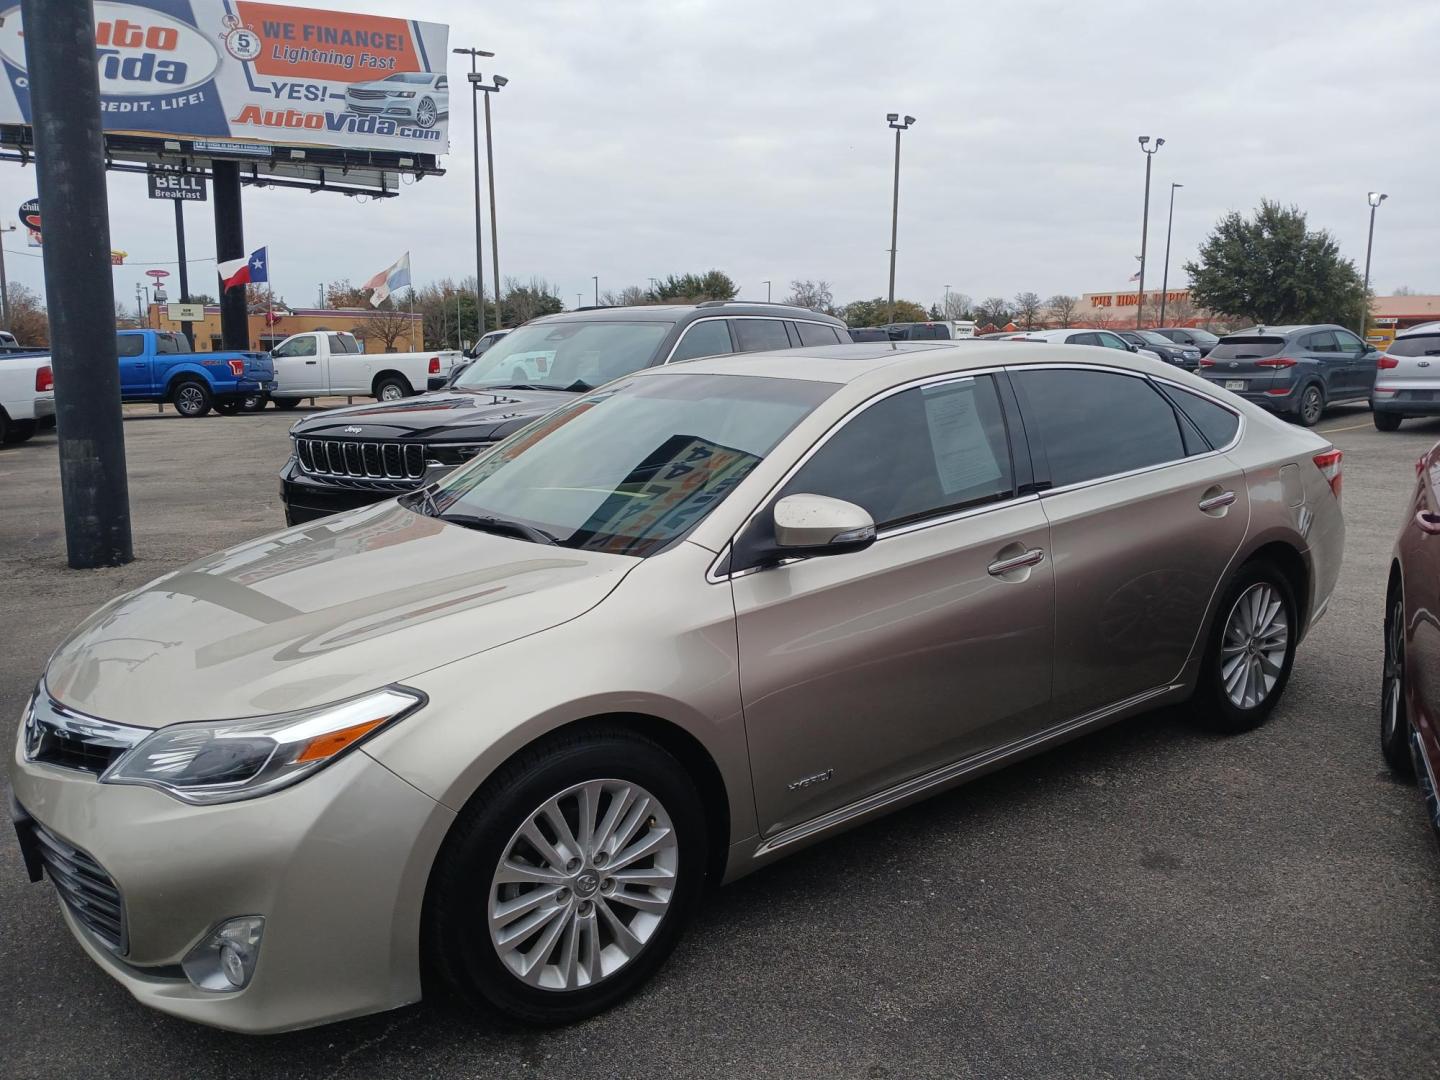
{"type": "Point", "coordinates": [161, 262]}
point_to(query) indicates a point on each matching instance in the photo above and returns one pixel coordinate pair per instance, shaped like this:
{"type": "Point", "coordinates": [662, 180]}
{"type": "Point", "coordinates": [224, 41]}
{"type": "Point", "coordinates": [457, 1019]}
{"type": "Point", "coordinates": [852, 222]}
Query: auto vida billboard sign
{"type": "Point", "coordinates": [265, 73]}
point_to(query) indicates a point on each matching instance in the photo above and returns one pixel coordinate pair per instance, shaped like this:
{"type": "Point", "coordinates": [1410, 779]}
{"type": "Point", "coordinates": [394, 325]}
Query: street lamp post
{"type": "Point", "coordinates": [767, 290]}
{"type": "Point", "coordinates": [478, 82]}
{"type": "Point", "coordinates": [1375, 198]}
{"type": "Point", "coordinates": [596, 279]}
{"type": "Point", "coordinates": [1165, 278]}
{"type": "Point", "coordinates": [4, 285]}
{"type": "Point", "coordinates": [1145, 223]}
{"type": "Point", "coordinates": [474, 55]}
{"type": "Point", "coordinates": [895, 122]}
{"type": "Point", "coordinates": [945, 311]}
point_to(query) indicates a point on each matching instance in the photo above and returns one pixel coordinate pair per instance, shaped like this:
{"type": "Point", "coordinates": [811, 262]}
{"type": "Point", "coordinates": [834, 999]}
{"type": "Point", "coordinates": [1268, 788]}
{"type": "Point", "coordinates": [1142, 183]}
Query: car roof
{"type": "Point", "coordinates": [1281, 331]}
{"type": "Point", "coordinates": [671, 313]}
{"type": "Point", "coordinates": [1423, 328]}
{"type": "Point", "coordinates": [900, 361]}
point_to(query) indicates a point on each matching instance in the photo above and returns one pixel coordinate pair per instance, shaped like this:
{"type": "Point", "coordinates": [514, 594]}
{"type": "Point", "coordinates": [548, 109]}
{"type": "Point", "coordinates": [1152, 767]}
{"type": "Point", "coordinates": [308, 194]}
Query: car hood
{"type": "Point", "coordinates": [444, 414]}
{"type": "Point", "coordinates": [319, 613]}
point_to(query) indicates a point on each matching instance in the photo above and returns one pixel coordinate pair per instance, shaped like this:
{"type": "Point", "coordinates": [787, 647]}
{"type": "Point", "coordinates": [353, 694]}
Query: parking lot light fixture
{"type": "Point", "coordinates": [496, 83]}
{"type": "Point", "coordinates": [893, 119]}
{"type": "Point", "coordinates": [474, 55]}
{"type": "Point", "coordinates": [595, 278]}
{"type": "Point", "coordinates": [1165, 278]}
{"type": "Point", "coordinates": [1374, 198]}
{"type": "Point", "coordinates": [1149, 152]}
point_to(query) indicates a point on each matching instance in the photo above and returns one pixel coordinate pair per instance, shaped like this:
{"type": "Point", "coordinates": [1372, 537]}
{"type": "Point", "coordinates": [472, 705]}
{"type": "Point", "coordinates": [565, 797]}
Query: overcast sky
{"type": "Point", "coordinates": [640, 139]}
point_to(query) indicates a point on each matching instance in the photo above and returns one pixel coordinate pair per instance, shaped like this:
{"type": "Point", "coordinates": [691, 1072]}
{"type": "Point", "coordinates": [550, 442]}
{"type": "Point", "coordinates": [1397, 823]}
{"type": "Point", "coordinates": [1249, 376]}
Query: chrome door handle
{"type": "Point", "coordinates": [1017, 562]}
{"type": "Point", "coordinates": [1225, 498]}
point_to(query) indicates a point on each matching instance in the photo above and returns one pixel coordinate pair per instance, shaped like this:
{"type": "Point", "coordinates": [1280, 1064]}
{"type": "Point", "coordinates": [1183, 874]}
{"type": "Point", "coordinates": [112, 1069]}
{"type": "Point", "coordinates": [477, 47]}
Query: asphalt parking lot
{"type": "Point", "coordinates": [1148, 901]}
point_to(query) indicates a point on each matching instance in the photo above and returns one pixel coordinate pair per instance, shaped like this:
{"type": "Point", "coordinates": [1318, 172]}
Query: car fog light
{"type": "Point", "coordinates": [224, 960]}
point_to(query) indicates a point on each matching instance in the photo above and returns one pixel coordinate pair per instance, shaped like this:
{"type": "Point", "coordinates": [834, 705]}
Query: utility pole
{"type": "Point", "coordinates": [4, 284]}
{"type": "Point", "coordinates": [894, 121]}
{"type": "Point", "coordinates": [187, 328]}
{"type": "Point", "coordinates": [1145, 224]}
{"type": "Point", "coordinates": [79, 286]}
{"type": "Point", "coordinates": [474, 55]}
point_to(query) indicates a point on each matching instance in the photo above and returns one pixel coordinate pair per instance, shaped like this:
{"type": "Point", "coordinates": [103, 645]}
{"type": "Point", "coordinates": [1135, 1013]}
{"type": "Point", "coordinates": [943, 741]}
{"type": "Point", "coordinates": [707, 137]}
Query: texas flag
{"type": "Point", "coordinates": [245, 271]}
{"type": "Point", "coordinates": [388, 280]}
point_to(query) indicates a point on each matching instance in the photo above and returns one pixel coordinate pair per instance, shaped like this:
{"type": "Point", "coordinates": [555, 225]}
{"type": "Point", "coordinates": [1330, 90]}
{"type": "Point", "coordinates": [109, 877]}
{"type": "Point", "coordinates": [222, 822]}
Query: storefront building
{"type": "Point", "coordinates": [268, 329]}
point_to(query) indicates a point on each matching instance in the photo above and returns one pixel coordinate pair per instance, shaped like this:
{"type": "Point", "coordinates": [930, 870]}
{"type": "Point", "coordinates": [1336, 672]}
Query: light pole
{"type": "Point", "coordinates": [767, 290]}
{"type": "Point", "coordinates": [479, 84]}
{"type": "Point", "coordinates": [578, 301]}
{"type": "Point", "coordinates": [895, 122]}
{"type": "Point", "coordinates": [945, 311]}
{"type": "Point", "coordinates": [1145, 224]}
{"type": "Point", "coordinates": [4, 285]}
{"type": "Point", "coordinates": [474, 55]}
{"type": "Point", "coordinates": [1375, 198]}
{"type": "Point", "coordinates": [595, 278]}
{"type": "Point", "coordinates": [1165, 278]}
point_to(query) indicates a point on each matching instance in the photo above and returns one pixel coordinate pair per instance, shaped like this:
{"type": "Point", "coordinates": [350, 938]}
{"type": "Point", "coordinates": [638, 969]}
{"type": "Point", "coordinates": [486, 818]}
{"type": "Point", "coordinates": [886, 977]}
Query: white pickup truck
{"type": "Point", "coordinates": [27, 395]}
{"type": "Point", "coordinates": [321, 363]}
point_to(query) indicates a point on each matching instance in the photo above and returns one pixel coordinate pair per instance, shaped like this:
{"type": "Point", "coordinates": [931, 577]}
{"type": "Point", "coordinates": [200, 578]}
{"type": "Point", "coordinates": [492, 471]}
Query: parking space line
{"type": "Point", "coordinates": [1332, 430]}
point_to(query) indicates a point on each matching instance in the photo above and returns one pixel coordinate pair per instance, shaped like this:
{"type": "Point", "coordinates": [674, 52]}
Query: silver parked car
{"type": "Point", "coordinates": [1407, 377]}
{"type": "Point", "coordinates": [507, 726]}
{"type": "Point", "coordinates": [418, 97]}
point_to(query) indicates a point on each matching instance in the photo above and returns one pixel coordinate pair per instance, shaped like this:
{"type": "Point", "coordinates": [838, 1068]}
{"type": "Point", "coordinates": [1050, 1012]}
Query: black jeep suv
{"type": "Point", "coordinates": [345, 458]}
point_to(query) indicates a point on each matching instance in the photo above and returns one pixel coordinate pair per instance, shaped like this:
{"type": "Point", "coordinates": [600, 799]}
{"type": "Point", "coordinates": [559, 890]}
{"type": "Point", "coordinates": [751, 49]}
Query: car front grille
{"type": "Point", "coordinates": [56, 735]}
{"type": "Point", "coordinates": [365, 95]}
{"type": "Point", "coordinates": [378, 464]}
{"type": "Point", "coordinates": [85, 887]}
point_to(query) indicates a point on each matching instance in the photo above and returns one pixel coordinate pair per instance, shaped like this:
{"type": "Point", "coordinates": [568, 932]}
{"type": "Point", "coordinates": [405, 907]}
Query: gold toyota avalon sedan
{"type": "Point", "coordinates": [502, 730]}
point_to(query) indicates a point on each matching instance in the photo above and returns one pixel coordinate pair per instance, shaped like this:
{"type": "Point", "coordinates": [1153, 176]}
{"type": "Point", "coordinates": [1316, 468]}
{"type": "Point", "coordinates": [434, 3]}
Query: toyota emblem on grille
{"type": "Point", "coordinates": [352, 431]}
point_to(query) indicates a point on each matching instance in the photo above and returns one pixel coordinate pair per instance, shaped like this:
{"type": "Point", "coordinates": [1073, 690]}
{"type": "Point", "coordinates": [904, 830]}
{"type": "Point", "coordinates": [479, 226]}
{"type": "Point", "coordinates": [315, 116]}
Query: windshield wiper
{"type": "Point", "coordinates": [579, 386]}
{"type": "Point", "coordinates": [514, 386]}
{"type": "Point", "coordinates": [504, 526]}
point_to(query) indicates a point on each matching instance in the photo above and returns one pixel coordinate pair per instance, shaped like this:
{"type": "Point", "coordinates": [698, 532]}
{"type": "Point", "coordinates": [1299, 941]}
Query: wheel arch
{"type": "Point", "coordinates": [386, 375]}
{"type": "Point", "coordinates": [1287, 559]}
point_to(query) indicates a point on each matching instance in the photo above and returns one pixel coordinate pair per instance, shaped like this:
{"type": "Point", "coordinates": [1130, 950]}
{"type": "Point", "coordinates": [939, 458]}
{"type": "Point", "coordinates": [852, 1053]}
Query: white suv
{"type": "Point", "coordinates": [1080, 336]}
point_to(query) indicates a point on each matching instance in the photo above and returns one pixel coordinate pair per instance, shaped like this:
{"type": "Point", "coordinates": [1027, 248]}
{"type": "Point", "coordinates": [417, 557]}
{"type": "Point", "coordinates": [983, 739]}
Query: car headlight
{"type": "Point", "coordinates": [227, 760]}
{"type": "Point", "coordinates": [402, 93]}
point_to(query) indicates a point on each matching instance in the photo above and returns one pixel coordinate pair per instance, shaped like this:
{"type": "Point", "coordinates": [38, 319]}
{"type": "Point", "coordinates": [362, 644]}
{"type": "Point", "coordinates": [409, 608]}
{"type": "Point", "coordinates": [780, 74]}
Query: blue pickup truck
{"type": "Point", "coordinates": [158, 366]}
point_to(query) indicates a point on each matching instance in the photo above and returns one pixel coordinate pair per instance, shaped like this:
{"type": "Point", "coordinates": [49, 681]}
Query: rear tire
{"type": "Point", "coordinates": [1311, 407]}
{"type": "Point", "coordinates": [1251, 651]}
{"type": "Point", "coordinates": [1385, 421]}
{"type": "Point", "coordinates": [285, 404]}
{"type": "Point", "coordinates": [572, 954]}
{"type": "Point", "coordinates": [191, 398]}
{"type": "Point", "coordinates": [392, 388]}
{"type": "Point", "coordinates": [227, 408]}
{"type": "Point", "coordinates": [18, 430]}
{"type": "Point", "coordinates": [1394, 717]}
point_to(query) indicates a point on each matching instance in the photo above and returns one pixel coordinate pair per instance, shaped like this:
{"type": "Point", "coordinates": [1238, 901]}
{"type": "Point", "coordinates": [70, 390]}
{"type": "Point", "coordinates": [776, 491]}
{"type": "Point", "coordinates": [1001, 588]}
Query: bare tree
{"type": "Point", "coordinates": [1027, 309]}
{"type": "Point", "coordinates": [993, 311]}
{"type": "Point", "coordinates": [387, 326]}
{"type": "Point", "coordinates": [1179, 312]}
{"type": "Point", "coordinates": [958, 306]}
{"type": "Point", "coordinates": [1062, 308]}
{"type": "Point", "coordinates": [1101, 318]}
{"type": "Point", "coordinates": [815, 295]}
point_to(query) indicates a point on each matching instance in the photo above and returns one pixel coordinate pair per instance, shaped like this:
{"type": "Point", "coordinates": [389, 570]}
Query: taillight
{"type": "Point", "coordinates": [1276, 362]}
{"type": "Point", "coordinates": [1386, 362]}
{"type": "Point", "coordinates": [434, 365]}
{"type": "Point", "coordinates": [237, 367]}
{"type": "Point", "coordinates": [1329, 465]}
{"type": "Point", "coordinates": [44, 379]}
{"type": "Point", "coordinates": [1205, 361]}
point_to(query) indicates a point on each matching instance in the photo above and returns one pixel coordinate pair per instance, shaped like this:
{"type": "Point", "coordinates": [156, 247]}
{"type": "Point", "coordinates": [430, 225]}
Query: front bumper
{"type": "Point", "coordinates": [337, 865]}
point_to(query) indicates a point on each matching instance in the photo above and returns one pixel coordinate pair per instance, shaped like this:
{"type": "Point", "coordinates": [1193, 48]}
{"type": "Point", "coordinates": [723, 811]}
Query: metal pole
{"type": "Point", "coordinates": [4, 284]}
{"type": "Point", "coordinates": [1144, 239]}
{"type": "Point", "coordinates": [479, 238]}
{"type": "Point", "coordinates": [1165, 278]}
{"type": "Point", "coordinates": [596, 279]}
{"type": "Point", "coordinates": [494, 221]}
{"type": "Point", "coordinates": [186, 328]}
{"type": "Point", "coordinates": [230, 244]}
{"type": "Point", "coordinates": [767, 291]}
{"type": "Point", "coordinates": [79, 286]}
{"type": "Point", "coordinates": [894, 227]}
{"type": "Point", "coordinates": [1365, 295]}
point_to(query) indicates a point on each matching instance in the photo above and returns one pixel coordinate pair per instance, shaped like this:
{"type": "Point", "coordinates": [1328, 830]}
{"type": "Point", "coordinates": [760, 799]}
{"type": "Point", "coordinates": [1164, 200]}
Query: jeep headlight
{"type": "Point", "coordinates": [228, 760]}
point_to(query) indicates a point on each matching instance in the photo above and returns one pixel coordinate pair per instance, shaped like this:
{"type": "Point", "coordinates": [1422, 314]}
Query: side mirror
{"type": "Point", "coordinates": [456, 372]}
{"type": "Point", "coordinates": [1132, 346]}
{"type": "Point", "coordinates": [820, 525]}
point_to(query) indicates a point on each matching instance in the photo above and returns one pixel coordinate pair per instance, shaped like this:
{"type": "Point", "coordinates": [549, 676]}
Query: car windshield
{"type": "Point", "coordinates": [628, 469]}
{"type": "Point", "coordinates": [574, 356]}
{"type": "Point", "coordinates": [1418, 345]}
{"type": "Point", "coordinates": [1149, 337]}
{"type": "Point", "coordinates": [412, 78]}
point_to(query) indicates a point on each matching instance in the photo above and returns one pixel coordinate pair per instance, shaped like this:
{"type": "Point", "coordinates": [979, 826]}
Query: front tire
{"type": "Point", "coordinates": [1394, 717]}
{"type": "Point", "coordinates": [567, 880]}
{"type": "Point", "coordinates": [1311, 407]}
{"type": "Point", "coordinates": [191, 398]}
{"type": "Point", "coordinates": [1385, 421]}
{"type": "Point", "coordinates": [1251, 651]}
{"type": "Point", "coordinates": [285, 404]}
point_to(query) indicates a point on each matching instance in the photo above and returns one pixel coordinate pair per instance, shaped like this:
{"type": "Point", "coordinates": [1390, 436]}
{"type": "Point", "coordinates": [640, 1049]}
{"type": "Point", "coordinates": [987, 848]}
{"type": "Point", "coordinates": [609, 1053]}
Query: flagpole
{"type": "Point", "coordinates": [412, 321]}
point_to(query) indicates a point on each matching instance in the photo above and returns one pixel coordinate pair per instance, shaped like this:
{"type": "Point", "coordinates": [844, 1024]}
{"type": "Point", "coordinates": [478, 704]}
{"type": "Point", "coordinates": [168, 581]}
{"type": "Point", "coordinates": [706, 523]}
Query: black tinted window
{"type": "Point", "coordinates": [1217, 423]}
{"type": "Point", "coordinates": [916, 453]}
{"type": "Point", "coordinates": [753, 335]}
{"type": "Point", "coordinates": [165, 343]}
{"type": "Point", "coordinates": [129, 344]}
{"type": "Point", "coordinates": [1247, 348]}
{"type": "Point", "coordinates": [1347, 343]}
{"type": "Point", "coordinates": [1139, 427]}
{"type": "Point", "coordinates": [708, 338]}
{"type": "Point", "coordinates": [815, 334]}
{"type": "Point", "coordinates": [927, 332]}
{"type": "Point", "coordinates": [1419, 345]}
{"type": "Point", "coordinates": [1323, 342]}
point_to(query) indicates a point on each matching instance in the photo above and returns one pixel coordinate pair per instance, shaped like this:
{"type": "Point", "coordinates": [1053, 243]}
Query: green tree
{"type": "Point", "coordinates": [877, 312]}
{"type": "Point", "coordinates": [341, 294]}
{"type": "Point", "coordinates": [711, 285]}
{"type": "Point", "coordinates": [1271, 269]}
{"type": "Point", "coordinates": [527, 301]}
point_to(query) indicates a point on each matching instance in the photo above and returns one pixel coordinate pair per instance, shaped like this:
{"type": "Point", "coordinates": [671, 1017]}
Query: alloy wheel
{"type": "Point", "coordinates": [1312, 404]}
{"type": "Point", "coordinates": [1252, 654]}
{"type": "Point", "coordinates": [189, 399]}
{"type": "Point", "coordinates": [425, 115]}
{"type": "Point", "coordinates": [583, 885]}
{"type": "Point", "coordinates": [1392, 687]}
{"type": "Point", "coordinates": [390, 392]}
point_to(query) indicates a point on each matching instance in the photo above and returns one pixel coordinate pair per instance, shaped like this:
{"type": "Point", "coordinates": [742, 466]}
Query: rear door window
{"type": "Point", "coordinates": [129, 344]}
{"type": "Point", "coordinates": [708, 338]}
{"type": "Point", "coordinates": [817, 334]}
{"type": "Point", "coordinates": [1140, 428]}
{"type": "Point", "coordinates": [1323, 342]}
{"type": "Point", "coordinates": [921, 452]}
{"type": "Point", "coordinates": [1083, 339]}
{"type": "Point", "coordinates": [755, 335]}
{"type": "Point", "coordinates": [1247, 348]}
{"type": "Point", "coordinates": [165, 343]}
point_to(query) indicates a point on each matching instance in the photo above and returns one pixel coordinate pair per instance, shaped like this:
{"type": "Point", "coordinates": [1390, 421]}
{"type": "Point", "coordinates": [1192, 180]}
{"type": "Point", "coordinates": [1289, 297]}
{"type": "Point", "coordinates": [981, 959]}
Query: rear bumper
{"type": "Point", "coordinates": [1401, 405]}
{"type": "Point", "coordinates": [1287, 402]}
{"type": "Point", "coordinates": [44, 407]}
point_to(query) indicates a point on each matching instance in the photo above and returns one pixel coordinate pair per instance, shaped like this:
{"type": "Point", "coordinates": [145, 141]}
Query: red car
{"type": "Point", "coordinates": [1410, 690]}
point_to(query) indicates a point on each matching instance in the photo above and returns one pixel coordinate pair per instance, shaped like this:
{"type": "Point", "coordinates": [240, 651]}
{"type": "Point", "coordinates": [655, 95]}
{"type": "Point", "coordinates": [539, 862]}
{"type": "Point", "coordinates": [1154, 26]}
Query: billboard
{"type": "Point", "coordinates": [257, 73]}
